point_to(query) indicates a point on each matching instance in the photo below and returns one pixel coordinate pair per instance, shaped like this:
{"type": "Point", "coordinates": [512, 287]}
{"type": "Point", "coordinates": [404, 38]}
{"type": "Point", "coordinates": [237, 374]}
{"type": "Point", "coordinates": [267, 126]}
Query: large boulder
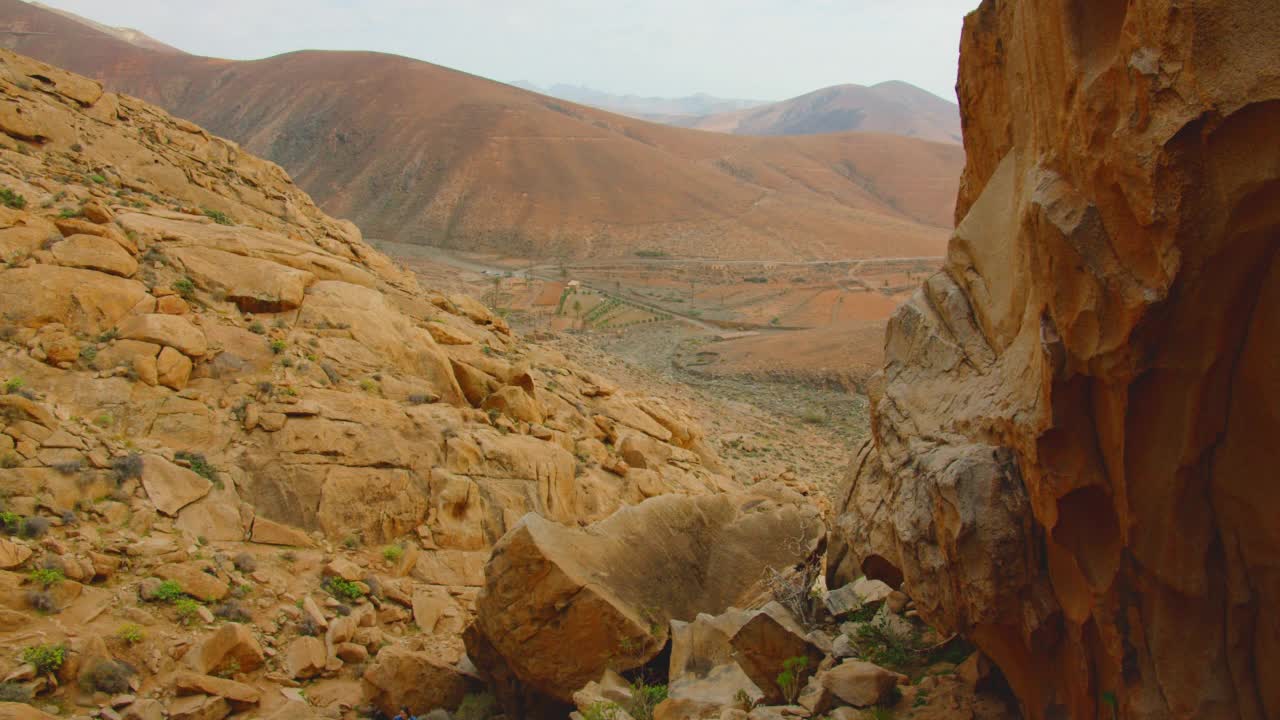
{"type": "Point", "coordinates": [703, 670]}
{"type": "Point", "coordinates": [399, 676]}
{"type": "Point", "coordinates": [252, 284]}
{"type": "Point", "coordinates": [170, 487]}
{"type": "Point", "coordinates": [85, 301]}
{"type": "Point", "coordinates": [1076, 417]}
{"type": "Point", "coordinates": [230, 646]}
{"type": "Point", "coordinates": [767, 642]}
{"type": "Point", "coordinates": [305, 657]}
{"type": "Point", "coordinates": [609, 591]}
{"type": "Point", "coordinates": [238, 695]}
{"type": "Point", "coordinates": [860, 684]}
{"type": "Point", "coordinates": [172, 330]}
{"type": "Point", "coordinates": [91, 252]}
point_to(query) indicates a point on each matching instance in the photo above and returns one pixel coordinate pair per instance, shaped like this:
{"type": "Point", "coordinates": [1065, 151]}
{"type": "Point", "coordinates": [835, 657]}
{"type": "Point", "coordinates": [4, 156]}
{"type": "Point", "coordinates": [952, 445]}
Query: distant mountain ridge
{"type": "Point", "coordinates": [129, 35]}
{"type": "Point", "coordinates": [419, 153]}
{"type": "Point", "coordinates": [894, 107]}
{"type": "Point", "coordinates": [698, 104]}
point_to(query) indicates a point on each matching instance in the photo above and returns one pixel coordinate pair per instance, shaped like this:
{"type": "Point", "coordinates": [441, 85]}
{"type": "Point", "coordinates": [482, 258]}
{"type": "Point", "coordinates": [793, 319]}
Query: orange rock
{"type": "Point", "coordinates": [1074, 418]}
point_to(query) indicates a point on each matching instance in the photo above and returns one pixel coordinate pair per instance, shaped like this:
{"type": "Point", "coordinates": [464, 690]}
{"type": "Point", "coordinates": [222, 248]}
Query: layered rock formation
{"type": "Point", "coordinates": [1072, 433]}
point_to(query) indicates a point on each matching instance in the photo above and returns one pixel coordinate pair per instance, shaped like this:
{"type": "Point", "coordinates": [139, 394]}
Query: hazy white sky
{"type": "Point", "coordinates": [760, 49]}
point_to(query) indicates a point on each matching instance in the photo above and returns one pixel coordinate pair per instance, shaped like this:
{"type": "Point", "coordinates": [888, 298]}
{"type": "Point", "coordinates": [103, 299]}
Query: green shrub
{"type": "Point", "coordinates": [45, 659]}
{"type": "Point", "coordinates": [169, 591]}
{"type": "Point", "coordinates": [199, 465]}
{"type": "Point", "coordinates": [184, 287]}
{"type": "Point", "coordinates": [218, 216]}
{"type": "Point", "coordinates": [98, 178]}
{"type": "Point", "coordinates": [645, 699]}
{"type": "Point", "coordinates": [68, 213]}
{"type": "Point", "coordinates": [12, 199]}
{"type": "Point", "coordinates": [10, 522]}
{"type": "Point", "coordinates": [257, 328]}
{"type": "Point", "coordinates": [392, 553]}
{"type": "Point", "coordinates": [885, 645]}
{"type": "Point", "coordinates": [790, 680]}
{"type": "Point", "coordinates": [130, 634]}
{"type": "Point", "coordinates": [46, 577]}
{"type": "Point", "coordinates": [342, 589]}
{"type": "Point", "coordinates": [13, 385]}
{"type": "Point", "coordinates": [278, 346]}
{"type": "Point", "coordinates": [188, 610]}
{"type": "Point", "coordinates": [601, 711]}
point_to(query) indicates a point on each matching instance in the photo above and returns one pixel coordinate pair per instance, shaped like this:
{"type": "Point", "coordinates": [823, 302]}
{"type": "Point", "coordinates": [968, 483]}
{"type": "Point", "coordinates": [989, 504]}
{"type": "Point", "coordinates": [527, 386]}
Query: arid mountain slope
{"type": "Point", "coordinates": [420, 153]}
{"type": "Point", "coordinates": [201, 368]}
{"type": "Point", "coordinates": [1074, 457]}
{"type": "Point", "coordinates": [890, 107]}
{"type": "Point", "coordinates": [129, 35]}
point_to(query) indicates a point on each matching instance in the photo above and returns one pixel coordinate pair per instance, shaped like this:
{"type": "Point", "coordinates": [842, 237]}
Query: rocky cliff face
{"type": "Point", "coordinates": [1073, 459]}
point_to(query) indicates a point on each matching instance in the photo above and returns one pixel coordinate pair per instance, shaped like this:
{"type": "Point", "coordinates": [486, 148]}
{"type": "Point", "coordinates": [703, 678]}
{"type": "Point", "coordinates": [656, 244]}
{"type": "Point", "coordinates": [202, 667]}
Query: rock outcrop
{"type": "Point", "coordinates": [1073, 427]}
{"type": "Point", "coordinates": [236, 440]}
{"type": "Point", "coordinates": [560, 605]}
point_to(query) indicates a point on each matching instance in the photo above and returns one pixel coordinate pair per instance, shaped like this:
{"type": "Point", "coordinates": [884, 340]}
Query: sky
{"type": "Point", "coordinates": [751, 49]}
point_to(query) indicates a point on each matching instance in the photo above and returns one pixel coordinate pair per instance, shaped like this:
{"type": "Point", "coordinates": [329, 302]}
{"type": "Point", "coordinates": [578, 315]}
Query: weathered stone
{"type": "Point", "coordinates": [703, 671]}
{"type": "Point", "coordinates": [194, 580]}
{"type": "Point", "coordinates": [94, 253]}
{"type": "Point", "coordinates": [238, 695]}
{"type": "Point", "coordinates": [767, 640]}
{"type": "Point", "coordinates": [12, 554]}
{"type": "Point", "coordinates": [253, 284]}
{"type": "Point", "coordinates": [170, 487]}
{"type": "Point", "coordinates": [860, 684]}
{"type": "Point", "coordinates": [171, 330]}
{"type": "Point", "coordinates": [617, 584]}
{"type": "Point", "coordinates": [1059, 467]}
{"type": "Point", "coordinates": [173, 369]}
{"type": "Point", "coordinates": [399, 676]}
{"type": "Point", "coordinates": [84, 300]}
{"type": "Point", "coordinates": [199, 707]}
{"type": "Point", "coordinates": [231, 643]}
{"type": "Point", "coordinates": [305, 658]}
{"type": "Point", "coordinates": [270, 532]}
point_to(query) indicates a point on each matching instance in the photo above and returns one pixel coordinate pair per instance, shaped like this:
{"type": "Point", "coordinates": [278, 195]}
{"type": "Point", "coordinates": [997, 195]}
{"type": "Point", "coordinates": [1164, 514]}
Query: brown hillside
{"type": "Point", "coordinates": [420, 153]}
{"type": "Point", "coordinates": [891, 107]}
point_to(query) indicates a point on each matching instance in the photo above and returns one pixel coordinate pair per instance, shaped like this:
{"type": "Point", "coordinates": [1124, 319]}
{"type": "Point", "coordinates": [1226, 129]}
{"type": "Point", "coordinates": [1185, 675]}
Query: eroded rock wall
{"type": "Point", "coordinates": [1072, 458]}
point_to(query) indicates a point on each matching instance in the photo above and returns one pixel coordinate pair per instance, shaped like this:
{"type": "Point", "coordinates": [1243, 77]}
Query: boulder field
{"type": "Point", "coordinates": [1072, 459]}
